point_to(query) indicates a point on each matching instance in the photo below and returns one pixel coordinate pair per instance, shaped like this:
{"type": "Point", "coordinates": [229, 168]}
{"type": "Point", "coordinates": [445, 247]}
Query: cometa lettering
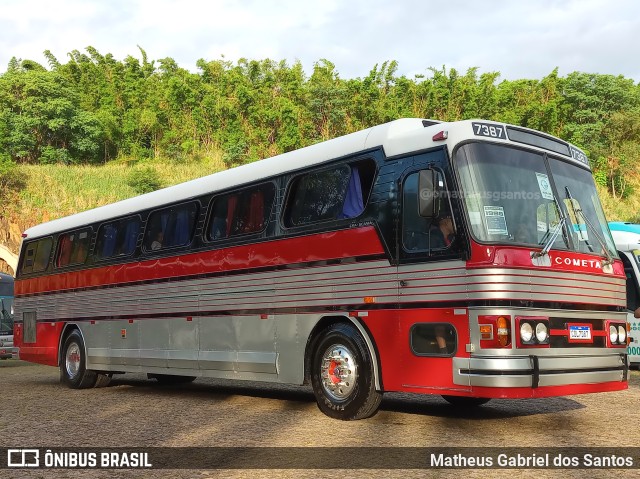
{"type": "Point", "coordinates": [583, 263]}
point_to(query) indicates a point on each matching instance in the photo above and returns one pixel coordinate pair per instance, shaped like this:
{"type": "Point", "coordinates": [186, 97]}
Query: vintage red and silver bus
{"type": "Point", "coordinates": [469, 259]}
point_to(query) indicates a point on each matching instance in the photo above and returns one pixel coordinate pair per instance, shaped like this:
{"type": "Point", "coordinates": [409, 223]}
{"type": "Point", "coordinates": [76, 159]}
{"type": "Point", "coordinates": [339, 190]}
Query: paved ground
{"type": "Point", "coordinates": [37, 411]}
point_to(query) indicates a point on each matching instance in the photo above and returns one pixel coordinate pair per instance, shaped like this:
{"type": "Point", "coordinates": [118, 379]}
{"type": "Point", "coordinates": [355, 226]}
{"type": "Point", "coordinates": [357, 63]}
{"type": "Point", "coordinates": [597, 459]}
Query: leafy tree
{"type": "Point", "coordinates": [41, 119]}
{"type": "Point", "coordinates": [95, 108]}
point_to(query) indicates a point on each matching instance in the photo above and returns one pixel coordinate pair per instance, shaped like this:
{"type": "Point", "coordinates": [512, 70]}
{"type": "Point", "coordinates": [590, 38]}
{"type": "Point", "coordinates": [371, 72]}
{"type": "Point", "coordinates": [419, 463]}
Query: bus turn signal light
{"type": "Point", "coordinates": [495, 331]}
{"type": "Point", "coordinates": [504, 331]}
{"type": "Point", "coordinates": [486, 331]}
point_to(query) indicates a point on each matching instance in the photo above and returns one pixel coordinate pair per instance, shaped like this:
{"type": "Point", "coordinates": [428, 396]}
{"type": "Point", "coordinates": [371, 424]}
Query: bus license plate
{"type": "Point", "coordinates": [579, 333]}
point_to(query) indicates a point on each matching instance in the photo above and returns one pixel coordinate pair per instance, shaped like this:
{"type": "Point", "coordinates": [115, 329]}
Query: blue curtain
{"type": "Point", "coordinates": [131, 237]}
{"type": "Point", "coordinates": [109, 241]}
{"type": "Point", "coordinates": [181, 236]}
{"type": "Point", "coordinates": [353, 203]}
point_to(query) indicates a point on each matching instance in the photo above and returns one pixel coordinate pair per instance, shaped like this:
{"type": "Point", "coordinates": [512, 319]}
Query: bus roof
{"type": "Point", "coordinates": [396, 137]}
{"type": "Point", "coordinates": [624, 226]}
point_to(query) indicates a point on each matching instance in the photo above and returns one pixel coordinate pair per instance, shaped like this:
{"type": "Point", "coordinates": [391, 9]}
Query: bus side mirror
{"type": "Point", "coordinates": [428, 191]}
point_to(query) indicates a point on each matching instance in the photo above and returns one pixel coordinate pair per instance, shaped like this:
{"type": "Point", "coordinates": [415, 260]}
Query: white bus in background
{"type": "Point", "coordinates": [627, 238]}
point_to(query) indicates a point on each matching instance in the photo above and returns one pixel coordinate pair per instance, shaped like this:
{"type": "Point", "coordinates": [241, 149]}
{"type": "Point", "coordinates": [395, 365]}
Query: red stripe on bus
{"type": "Point", "coordinates": [355, 242]}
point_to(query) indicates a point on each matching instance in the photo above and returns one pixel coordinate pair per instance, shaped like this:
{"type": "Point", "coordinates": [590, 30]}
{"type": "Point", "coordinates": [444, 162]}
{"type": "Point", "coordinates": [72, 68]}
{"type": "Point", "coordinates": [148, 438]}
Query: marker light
{"type": "Point", "coordinates": [442, 135]}
{"type": "Point", "coordinates": [486, 331]}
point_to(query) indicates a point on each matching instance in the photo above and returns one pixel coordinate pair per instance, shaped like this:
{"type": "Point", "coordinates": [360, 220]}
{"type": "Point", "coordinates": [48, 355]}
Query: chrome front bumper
{"type": "Point", "coordinates": [539, 371]}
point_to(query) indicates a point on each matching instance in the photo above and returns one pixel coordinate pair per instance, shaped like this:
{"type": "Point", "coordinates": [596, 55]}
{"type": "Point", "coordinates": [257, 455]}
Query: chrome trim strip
{"type": "Point", "coordinates": [553, 371]}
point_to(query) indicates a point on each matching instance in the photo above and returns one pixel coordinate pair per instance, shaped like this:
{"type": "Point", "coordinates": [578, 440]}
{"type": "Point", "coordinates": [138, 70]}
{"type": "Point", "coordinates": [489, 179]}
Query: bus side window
{"type": "Point", "coordinates": [73, 248]}
{"type": "Point", "coordinates": [42, 256]}
{"type": "Point", "coordinates": [242, 212]}
{"type": "Point", "coordinates": [426, 233]}
{"type": "Point", "coordinates": [429, 339]}
{"type": "Point", "coordinates": [118, 238]}
{"type": "Point", "coordinates": [171, 227]}
{"type": "Point", "coordinates": [330, 194]}
{"type": "Point", "coordinates": [36, 257]}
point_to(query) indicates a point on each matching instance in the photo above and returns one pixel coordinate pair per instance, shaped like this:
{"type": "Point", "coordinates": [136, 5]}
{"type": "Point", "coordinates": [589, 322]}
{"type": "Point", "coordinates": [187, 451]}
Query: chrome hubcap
{"type": "Point", "coordinates": [338, 372]}
{"type": "Point", "coordinates": [72, 360]}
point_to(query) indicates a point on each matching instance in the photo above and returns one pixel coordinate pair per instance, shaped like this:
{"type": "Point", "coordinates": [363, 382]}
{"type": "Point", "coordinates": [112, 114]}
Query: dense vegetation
{"type": "Point", "coordinates": [95, 109]}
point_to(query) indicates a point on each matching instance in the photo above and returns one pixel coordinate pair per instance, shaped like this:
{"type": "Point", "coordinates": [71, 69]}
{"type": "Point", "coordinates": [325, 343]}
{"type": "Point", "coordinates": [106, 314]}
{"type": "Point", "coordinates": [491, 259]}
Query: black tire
{"type": "Point", "coordinates": [465, 402]}
{"type": "Point", "coordinates": [346, 398]}
{"type": "Point", "coordinates": [73, 360]}
{"type": "Point", "coordinates": [169, 379]}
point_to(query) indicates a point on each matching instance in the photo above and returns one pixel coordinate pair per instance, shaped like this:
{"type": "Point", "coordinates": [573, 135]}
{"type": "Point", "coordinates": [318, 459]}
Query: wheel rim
{"type": "Point", "coordinates": [339, 372]}
{"type": "Point", "coordinates": [72, 360]}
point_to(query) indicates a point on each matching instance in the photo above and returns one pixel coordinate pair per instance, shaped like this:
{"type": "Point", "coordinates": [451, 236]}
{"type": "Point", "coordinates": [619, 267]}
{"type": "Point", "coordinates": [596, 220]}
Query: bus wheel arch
{"type": "Point", "coordinates": [102, 379]}
{"type": "Point", "coordinates": [73, 361]}
{"type": "Point", "coordinates": [323, 324]}
{"type": "Point", "coordinates": [342, 372]}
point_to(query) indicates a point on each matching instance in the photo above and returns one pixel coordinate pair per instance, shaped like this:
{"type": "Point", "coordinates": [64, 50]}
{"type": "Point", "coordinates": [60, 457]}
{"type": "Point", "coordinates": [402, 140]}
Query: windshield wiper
{"type": "Point", "coordinates": [578, 211]}
{"type": "Point", "coordinates": [552, 234]}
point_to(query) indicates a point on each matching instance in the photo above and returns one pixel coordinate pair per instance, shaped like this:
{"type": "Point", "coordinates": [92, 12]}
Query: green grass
{"type": "Point", "coordinates": [54, 191]}
{"type": "Point", "coordinates": [626, 209]}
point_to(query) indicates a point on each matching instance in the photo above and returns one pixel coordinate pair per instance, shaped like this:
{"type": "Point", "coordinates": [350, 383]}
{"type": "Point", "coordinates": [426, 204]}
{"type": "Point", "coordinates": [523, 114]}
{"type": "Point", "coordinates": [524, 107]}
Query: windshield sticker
{"type": "Point", "coordinates": [475, 218]}
{"type": "Point", "coordinates": [545, 186]}
{"type": "Point", "coordinates": [496, 221]}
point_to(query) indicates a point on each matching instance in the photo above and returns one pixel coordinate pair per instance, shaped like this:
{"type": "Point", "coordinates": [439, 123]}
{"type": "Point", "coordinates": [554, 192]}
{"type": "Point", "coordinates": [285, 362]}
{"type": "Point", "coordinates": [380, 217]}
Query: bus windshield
{"type": "Point", "coordinates": [510, 198]}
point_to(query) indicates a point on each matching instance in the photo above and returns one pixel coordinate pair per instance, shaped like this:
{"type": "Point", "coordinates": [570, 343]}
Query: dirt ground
{"type": "Point", "coordinates": [37, 411]}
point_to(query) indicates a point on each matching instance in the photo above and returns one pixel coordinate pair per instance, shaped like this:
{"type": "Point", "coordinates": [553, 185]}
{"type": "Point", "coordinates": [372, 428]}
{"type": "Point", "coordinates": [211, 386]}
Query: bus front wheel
{"type": "Point", "coordinates": [342, 374]}
{"type": "Point", "coordinates": [73, 371]}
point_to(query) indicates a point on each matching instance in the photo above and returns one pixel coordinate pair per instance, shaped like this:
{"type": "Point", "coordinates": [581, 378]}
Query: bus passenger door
{"type": "Point", "coordinates": [431, 276]}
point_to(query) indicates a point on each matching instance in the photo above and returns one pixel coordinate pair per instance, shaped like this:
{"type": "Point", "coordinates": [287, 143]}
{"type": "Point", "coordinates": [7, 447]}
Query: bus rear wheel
{"type": "Point", "coordinates": [342, 375]}
{"type": "Point", "coordinates": [73, 361]}
{"type": "Point", "coordinates": [465, 402]}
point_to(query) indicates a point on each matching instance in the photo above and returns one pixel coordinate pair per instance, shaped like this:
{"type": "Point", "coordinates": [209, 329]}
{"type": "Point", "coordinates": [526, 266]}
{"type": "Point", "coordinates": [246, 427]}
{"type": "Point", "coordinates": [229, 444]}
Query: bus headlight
{"type": "Point", "coordinates": [542, 332]}
{"type": "Point", "coordinates": [533, 331]}
{"type": "Point", "coordinates": [622, 334]}
{"type": "Point", "coordinates": [613, 333]}
{"type": "Point", "coordinates": [526, 332]}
